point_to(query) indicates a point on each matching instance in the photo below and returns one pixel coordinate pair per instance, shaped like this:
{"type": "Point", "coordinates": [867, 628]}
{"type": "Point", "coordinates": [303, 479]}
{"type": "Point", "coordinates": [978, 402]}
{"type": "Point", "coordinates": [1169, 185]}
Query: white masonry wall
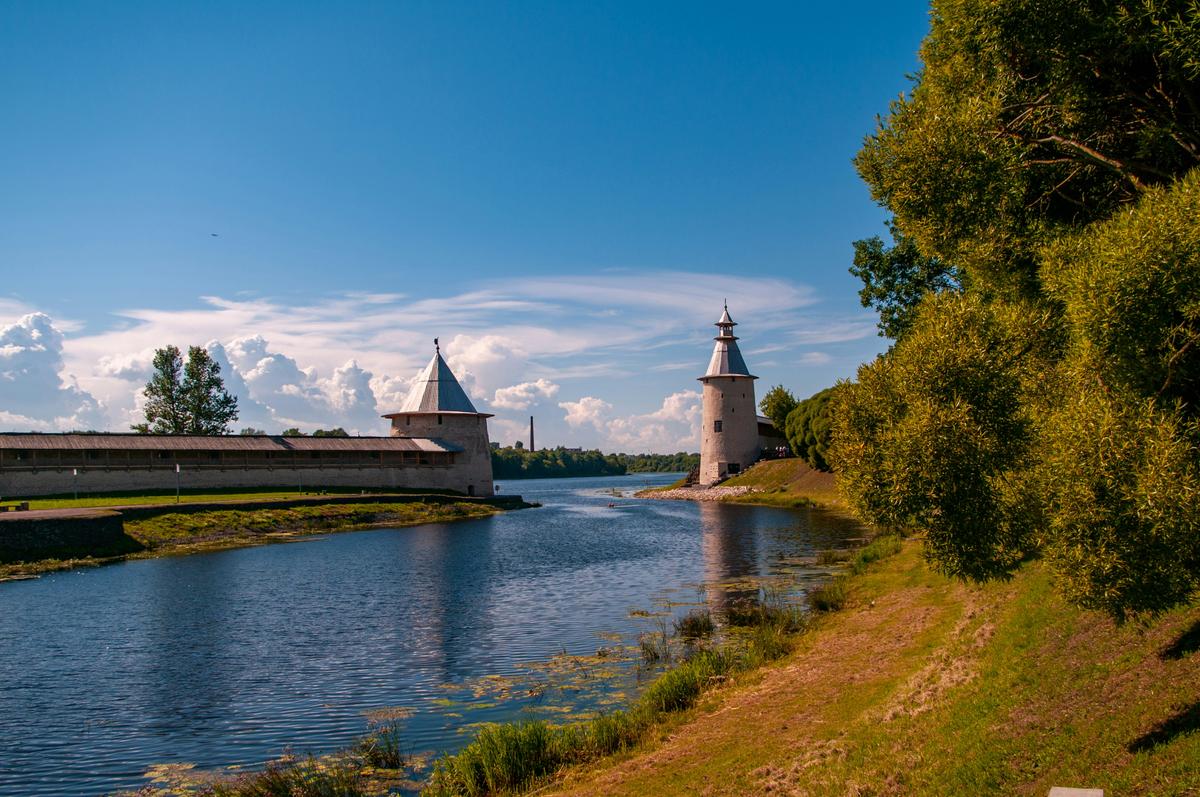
{"type": "Point", "coordinates": [472, 470]}
{"type": "Point", "coordinates": [731, 401]}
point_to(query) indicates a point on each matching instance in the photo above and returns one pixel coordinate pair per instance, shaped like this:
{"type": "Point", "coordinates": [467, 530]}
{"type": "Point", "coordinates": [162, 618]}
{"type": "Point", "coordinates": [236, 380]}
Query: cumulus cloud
{"type": "Point", "coordinates": [524, 395]}
{"type": "Point", "coordinates": [589, 410]}
{"type": "Point", "coordinates": [483, 363]}
{"type": "Point", "coordinates": [673, 427]}
{"type": "Point", "coordinates": [33, 391]}
{"type": "Point", "coordinates": [342, 360]}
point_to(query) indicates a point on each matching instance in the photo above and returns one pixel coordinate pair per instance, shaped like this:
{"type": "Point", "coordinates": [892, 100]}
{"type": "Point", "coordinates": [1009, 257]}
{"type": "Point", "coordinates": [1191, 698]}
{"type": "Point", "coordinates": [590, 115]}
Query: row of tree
{"type": "Point", "coordinates": [518, 462]}
{"type": "Point", "coordinates": [1042, 396]}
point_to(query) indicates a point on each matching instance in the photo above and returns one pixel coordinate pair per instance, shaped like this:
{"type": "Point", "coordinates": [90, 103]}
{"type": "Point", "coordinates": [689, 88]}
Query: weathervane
{"type": "Point", "coordinates": [437, 347]}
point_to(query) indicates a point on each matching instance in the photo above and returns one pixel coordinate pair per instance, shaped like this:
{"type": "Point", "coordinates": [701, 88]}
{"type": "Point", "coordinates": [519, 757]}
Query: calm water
{"type": "Point", "coordinates": [229, 658]}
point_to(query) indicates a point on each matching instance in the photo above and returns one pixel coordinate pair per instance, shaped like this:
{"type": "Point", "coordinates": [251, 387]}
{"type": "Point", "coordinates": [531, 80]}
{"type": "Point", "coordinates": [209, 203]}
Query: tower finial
{"type": "Point", "coordinates": [436, 346]}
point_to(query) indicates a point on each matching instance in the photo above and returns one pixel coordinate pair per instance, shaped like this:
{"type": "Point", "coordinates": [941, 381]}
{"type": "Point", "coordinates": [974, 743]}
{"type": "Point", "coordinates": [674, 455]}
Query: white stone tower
{"type": "Point", "coordinates": [437, 407]}
{"type": "Point", "coordinates": [729, 431]}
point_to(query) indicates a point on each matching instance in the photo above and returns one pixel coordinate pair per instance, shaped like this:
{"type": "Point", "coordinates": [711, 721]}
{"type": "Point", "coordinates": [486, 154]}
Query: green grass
{"type": "Point", "coordinates": [932, 687]}
{"type": "Point", "coordinates": [788, 483]}
{"type": "Point", "coordinates": [513, 757]}
{"type": "Point", "coordinates": [184, 528]}
{"type": "Point", "coordinates": [175, 533]}
{"type": "Point", "coordinates": [696, 624]}
{"type": "Point", "coordinates": [829, 597]}
{"type": "Point", "coordinates": [154, 497]}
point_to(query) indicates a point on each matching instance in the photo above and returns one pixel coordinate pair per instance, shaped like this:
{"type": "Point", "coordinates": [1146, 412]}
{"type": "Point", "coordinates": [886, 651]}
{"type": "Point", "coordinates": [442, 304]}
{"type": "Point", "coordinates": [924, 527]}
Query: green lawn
{"type": "Point", "coordinates": [188, 496]}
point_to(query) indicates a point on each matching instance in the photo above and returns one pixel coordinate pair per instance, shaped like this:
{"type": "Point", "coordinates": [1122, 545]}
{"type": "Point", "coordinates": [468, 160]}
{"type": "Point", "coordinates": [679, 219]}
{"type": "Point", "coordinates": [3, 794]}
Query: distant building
{"type": "Point", "coordinates": [729, 436]}
{"type": "Point", "coordinates": [438, 442]}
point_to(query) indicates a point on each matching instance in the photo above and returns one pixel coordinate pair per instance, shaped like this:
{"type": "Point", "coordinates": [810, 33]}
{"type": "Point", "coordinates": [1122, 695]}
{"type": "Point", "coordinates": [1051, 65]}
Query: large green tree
{"type": "Point", "coordinates": [896, 278]}
{"type": "Point", "coordinates": [777, 404]}
{"type": "Point", "coordinates": [164, 407]}
{"type": "Point", "coordinates": [1051, 151]}
{"type": "Point", "coordinates": [1031, 116]}
{"type": "Point", "coordinates": [940, 434]}
{"type": "Point", "coordinates": [187, 398]}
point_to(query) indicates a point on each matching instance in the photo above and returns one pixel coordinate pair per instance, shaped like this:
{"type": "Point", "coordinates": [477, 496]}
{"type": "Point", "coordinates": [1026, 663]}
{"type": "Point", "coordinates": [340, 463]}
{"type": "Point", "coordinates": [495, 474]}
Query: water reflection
{"type": "Point", "coordinates": [729, 542]}
{"type": "Point", "coordinates": [229, 658]}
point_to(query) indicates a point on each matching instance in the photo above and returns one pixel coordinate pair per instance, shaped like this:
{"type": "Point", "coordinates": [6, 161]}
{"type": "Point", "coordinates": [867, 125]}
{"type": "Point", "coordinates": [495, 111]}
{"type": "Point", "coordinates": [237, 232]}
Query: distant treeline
{"type": "Point", "coordinates": [519, 463]}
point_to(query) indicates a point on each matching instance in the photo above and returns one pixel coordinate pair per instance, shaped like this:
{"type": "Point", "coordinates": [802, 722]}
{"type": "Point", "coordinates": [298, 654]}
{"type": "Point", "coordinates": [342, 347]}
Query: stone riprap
{"type": "Point", "coordinates": [697, 493]}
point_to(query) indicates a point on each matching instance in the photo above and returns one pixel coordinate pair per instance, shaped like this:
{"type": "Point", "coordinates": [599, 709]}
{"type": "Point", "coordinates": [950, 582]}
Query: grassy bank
{"type": "Point", "coordinates": [158, 497]}
{"type": "Point", "coordinates": [512, 757]}
{"type": "Point", "coordinates": [926, 686]}
{"type": "Point", "coordinates": [176, 533]}
{"type": "Point", "coordinates": [787, 483]}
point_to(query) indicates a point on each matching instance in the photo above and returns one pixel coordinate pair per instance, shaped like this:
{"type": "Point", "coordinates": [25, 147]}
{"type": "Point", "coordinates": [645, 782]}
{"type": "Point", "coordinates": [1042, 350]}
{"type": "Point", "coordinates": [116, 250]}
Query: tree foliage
{"type": "Point", "coordinates": [208, 407]}
{"type": "Point", "coordinates": [896, 279]}
{"type": "Point", "coordinates": [939, 434]}
{"type": "Point", "coordinates": [1051, 151]}
{"type": "Point", "coordinates": [809, 427]}
{"type": "Point", "coordinates": [164, 396]}
{"type": "Point", "coordinates": [518, 462]}
{"type": "Point", "coordinates": [196, 403]}
{"type": "Point", "coordinates": [1031, 116]}
{"type": "Point", "coordinates": [777, 404]}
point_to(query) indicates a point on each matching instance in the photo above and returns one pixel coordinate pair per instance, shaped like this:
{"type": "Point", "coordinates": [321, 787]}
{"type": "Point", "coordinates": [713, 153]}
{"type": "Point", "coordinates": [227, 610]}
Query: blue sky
{"type": "Point", "coordinates": [562, 192]}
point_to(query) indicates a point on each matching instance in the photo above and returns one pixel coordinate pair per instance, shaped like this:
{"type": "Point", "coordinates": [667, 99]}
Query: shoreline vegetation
{"type": "Point", "coordinates": [155, 530]}
{"type": "Point", "coordinates": [789, 483]}
{"type": "Point", "coordinates": [515, 757]}
{"type": "Point", "coordinates": [510, 463]}
{"type": "Point", "coordinates": [909, 683]}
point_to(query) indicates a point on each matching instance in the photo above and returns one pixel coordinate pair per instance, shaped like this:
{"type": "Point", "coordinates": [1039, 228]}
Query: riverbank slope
{"type": "Point", "coordinates": [47, 540]}
{"type": "Point", "coordinates": [778, 482]}
{"type": "Point", "coordinates": [924, 685]}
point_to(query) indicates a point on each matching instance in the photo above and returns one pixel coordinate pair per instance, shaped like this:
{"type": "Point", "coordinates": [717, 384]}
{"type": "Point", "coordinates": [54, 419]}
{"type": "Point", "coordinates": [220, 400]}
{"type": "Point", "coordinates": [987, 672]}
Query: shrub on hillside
{"type": "Point", "coordinates": [809, 426]}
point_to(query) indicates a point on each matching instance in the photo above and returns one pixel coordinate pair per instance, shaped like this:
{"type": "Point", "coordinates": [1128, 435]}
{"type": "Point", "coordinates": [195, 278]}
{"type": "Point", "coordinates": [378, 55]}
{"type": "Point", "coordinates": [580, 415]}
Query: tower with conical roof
{"type": "Point", "coordinates": [729, 432]}
{"type": "Point", "coordinates": [437, 407]}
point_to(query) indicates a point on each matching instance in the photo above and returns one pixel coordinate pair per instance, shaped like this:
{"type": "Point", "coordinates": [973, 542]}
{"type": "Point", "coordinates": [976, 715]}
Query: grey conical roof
{"type": "Point", "coordinates": [436, 390]}
{"type": "Point", "coordinates": [727, 358]}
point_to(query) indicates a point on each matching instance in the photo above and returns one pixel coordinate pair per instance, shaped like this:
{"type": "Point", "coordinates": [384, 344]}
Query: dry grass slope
{"type": "Point", "coordinates": [787, 482]}
{"type": "Point", "coordinates": [925, 686]}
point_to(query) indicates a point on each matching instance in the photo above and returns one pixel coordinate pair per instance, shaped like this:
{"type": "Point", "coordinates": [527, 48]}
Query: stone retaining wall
{"type": "Point", "coordinates": [99, 533]}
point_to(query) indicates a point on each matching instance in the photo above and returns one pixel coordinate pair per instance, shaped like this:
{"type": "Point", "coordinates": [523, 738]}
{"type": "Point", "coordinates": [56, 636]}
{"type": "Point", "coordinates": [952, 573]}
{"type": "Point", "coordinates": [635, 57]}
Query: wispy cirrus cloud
{"type": "Point", "coordinates": [343, 360]}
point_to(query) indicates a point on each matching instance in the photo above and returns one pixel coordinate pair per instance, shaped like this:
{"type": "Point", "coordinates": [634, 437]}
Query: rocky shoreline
{"type": "Point", "coordinates": [697, 493]}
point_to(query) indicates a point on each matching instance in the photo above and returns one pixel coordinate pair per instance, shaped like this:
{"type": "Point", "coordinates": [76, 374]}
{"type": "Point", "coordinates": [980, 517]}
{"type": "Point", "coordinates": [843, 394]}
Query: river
{"type": "Point", "coordinates": [231, 658]}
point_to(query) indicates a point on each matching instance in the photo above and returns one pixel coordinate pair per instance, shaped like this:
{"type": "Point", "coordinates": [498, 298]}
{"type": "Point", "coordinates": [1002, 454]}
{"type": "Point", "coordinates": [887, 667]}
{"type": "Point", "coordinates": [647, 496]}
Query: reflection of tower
{"type": "Point", "coordinates": [729, 430]}
{"type": "Point", "coordinates": [730, 551]}
{"type": "Point", "coordinates": [450, 568]}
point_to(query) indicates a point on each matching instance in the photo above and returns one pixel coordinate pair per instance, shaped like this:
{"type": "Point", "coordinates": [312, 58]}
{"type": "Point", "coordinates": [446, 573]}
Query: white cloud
{"type": "Point", "coordinates": [33, 391]}
{"type": "Point", "coordinates": [524, 395]}
{"type": "Point", "coordinates": [589, 410]}
{"type": "Point", "coordinates": [814, 358]}
{"type": "Point", "coordinates": [343, 360]}
{"type": "Point", "coordinates": [673, 427]}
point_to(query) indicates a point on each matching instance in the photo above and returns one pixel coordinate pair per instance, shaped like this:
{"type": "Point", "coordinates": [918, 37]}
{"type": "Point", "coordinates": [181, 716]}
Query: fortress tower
{"type": "Point", "coordinates": [729, 432]}
{"type": "Point", "coordinates": [437, 407]}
